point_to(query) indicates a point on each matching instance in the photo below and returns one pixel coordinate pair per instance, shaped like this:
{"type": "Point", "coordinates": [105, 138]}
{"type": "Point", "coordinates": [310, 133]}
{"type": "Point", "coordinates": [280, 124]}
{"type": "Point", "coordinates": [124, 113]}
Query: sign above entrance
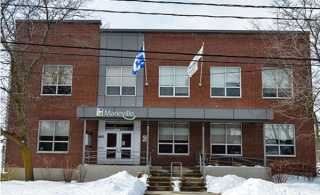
{"type": "Point", "coordinates": [127, 114]}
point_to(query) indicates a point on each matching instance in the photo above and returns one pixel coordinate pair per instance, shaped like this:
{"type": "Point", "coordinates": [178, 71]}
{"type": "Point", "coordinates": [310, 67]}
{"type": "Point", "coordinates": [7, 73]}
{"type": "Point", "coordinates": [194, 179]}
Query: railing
{"type": "Point", "coordinates": [227, 160]}
{"type": "Point", "coordinates": [180, 168]}
{"type": "Point", "coordinates": [201, 165]}
{"type": "Point", "coordinates": [117, 157]}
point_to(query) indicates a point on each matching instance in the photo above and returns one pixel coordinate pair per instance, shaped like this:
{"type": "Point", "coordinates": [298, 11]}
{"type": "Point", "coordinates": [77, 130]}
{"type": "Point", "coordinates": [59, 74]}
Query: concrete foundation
{"type": "Point", "coordinates": [52, 174]}
{"type": "Point", "coordinates": [245, 172]}
{"type": "Point", "coordinates": [95, 172]}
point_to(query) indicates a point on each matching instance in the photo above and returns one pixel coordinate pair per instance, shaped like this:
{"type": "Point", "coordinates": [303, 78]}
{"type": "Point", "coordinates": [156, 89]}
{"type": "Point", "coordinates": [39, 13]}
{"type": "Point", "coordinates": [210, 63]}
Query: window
{"type": "Point", "coordinates": [173, 138]}
{"type": "Point", "coordinates": [276, 82]}
{"type": "Point", "coordinates": [279, 139]}
{"type": "Point", "coordinates": [226, 139]}
{"type": "Point", "coordinates": [56, 79]}
{"type": "Point", "coordinates": [173, 81]}
{"type": "Point", "coordinates": [88, 138]}
{"type": "Point", "coordinates": [53, 136]}
{"type": "Point", "coordinates": [225, 82]}
{"type": "Point", "coordinates": [120, 81]}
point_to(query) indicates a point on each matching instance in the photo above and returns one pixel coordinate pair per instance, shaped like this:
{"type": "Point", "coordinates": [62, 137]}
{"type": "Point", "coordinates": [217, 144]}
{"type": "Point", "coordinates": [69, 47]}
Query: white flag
{"type": "Point", "coordinates": [193, 66]}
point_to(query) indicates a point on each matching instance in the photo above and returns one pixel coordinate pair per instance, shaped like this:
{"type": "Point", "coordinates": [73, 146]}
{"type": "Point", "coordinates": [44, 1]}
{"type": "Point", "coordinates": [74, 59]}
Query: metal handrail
{"type": "Point", "coordinates": [180, 172]}
{"type": "Point", "coordinates": [95, 157]}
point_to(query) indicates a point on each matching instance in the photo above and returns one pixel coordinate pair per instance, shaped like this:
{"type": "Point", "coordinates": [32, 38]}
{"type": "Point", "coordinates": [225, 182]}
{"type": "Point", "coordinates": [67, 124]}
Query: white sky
{"type": "Point", "coordinates": [135, 21]}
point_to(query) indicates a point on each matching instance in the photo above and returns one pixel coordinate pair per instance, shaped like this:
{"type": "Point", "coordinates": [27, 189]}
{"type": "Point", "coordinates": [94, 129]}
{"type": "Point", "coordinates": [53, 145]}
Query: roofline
{"type": "Point", "coordinates": [65, 21]}
{"type": "Point", "coordinates": [118, 30]}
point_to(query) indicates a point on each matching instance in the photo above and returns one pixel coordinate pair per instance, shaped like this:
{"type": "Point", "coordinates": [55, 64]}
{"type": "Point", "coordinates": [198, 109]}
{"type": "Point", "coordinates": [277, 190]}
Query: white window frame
{"type": "Point", "coordinates": [277, 86]}
{"type": "Point", "coordinates": [226, 140]}
{"type": "Point", "coordinates": [173, 144]}
{"type": "Point", "coordinates": [57, 84]}
{"type": "Point", "coordinates": [279, 145]}
{"type": "Point", "coordinates": [174, 83]}
{"type": "Point", "coordinates": [53, 141]}
{"type": "Point", "coordinates": [121, 77]}
{"type": "Point", "coordinates": [225, 79]}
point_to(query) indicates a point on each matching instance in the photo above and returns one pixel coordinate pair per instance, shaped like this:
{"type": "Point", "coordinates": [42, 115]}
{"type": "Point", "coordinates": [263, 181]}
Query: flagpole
{"type": "Point", "coordinates": [145, 65]}
{"type": "Point", "coordinates": [200, 84]}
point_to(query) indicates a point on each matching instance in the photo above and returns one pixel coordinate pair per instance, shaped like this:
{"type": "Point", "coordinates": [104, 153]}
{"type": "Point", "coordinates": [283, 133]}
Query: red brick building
{"type": "Point", "coordinates": [224, 109]}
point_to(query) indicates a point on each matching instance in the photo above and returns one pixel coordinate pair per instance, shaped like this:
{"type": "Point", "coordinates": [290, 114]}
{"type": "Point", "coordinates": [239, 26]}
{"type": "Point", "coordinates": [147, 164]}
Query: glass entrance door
{"type": "Point", "coordinates": [119, 147]}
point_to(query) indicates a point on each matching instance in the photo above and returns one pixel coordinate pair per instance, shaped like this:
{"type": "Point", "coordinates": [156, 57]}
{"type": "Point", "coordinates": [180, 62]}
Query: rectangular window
{"type": "Point", "coordinates": [88, 138]}
{"type": "Point", "coordinates": [173, 81]}
{"type": "Point", "coordinates": [173, 138]}
{"type": "Point", "coordinates": [226, 139]}
{"type": "Point", "coordinates": [280, 139]}
{"type": "Point", "coordinates": [56, 79]}
{"type": "Point", "coordinates": [276, 82]}
{"type": "Point", "coordinates": [120, 81]}
{"type": "Point", "coordinates": [53, 136]}
{"type": "Point", "coordinates": [225, 81]}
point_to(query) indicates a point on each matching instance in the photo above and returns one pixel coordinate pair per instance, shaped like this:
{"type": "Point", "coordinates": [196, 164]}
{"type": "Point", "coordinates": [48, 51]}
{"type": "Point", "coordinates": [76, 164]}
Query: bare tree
{"type": "Point", "coordinates": [20, 24]}
{"type": "Point", "coordinates": [300, 40]}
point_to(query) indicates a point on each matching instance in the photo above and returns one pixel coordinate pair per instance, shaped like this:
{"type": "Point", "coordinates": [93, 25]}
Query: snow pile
{"type": "Point", "coordinates": [231, 184]}
{"type": "Point", "coordinates": [121, 183]}
{"type": "Point", "coordinates": [221, 184]}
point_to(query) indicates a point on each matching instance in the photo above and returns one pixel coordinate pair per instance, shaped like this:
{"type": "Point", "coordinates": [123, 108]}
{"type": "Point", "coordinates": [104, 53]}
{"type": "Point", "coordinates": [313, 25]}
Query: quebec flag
{"type": "Point", "coordinates": [139, 61]}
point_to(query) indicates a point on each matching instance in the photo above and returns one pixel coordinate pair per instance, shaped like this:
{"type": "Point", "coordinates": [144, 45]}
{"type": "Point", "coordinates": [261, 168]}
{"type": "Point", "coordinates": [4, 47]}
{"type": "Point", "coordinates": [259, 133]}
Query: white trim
{"type": "Point", "coordinates": [174, 84]}
{"type": "Point", "coordinates": [173, 144]}
{"type": "Point", "coordinates": [225, 80]}
{"type": "Point", "coordinates": [120, 86]}
{"type": "Point", "coordinates": [279, 145]}
{"type": "Point", "coordinates": [57, 84]}
{"type": "Point", "coordinates": [53, 141]}
{"type": "Point", "coordinates": [226, 140]}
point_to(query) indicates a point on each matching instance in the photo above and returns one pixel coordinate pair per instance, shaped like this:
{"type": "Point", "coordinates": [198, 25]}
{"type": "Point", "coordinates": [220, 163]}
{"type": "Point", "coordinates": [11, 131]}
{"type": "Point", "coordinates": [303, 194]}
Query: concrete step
{"type": "Point", "coordinates": [198, 184]}
{"type": "Point", "coordinates": [193, 189]}
{"type": "Point", "coordinates": [159, 179]}
{"type": "Point", "coordinates": [160, 188]}
{"type": "Point", "coordinates": [175, 171]}
{"type": "Point", "coordinates": [176, 174]}
{"type": "Point", "coordinates": [192, 179]}
{"type": "Point", "coordinates": [160, 183]}
{"type": "Point", "coordinates": [154, 168]}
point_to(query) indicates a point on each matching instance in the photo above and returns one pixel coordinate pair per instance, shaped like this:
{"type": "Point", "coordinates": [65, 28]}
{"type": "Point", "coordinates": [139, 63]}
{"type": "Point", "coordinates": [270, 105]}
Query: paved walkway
{"type": "Point", "coordinates": [175, 193]}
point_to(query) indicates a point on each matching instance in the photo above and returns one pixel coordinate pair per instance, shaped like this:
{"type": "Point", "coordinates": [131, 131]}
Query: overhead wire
{"type": "Point", "coordinates": [220, 5]}
{"type": "Point", "coordinates": [161, 14]}
{"type": "Point", "coordinates": [162, 52]}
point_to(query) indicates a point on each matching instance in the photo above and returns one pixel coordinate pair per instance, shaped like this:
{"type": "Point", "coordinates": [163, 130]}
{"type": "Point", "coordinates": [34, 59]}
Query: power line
{"type": "Point", "coordinates": [221, 5]}
{"type": "Point", "coordinates": [161, 52]}
{"type": "Point", "coordinates": [162, 14]}
{"type": "Point", "coordinates": [89, 55]}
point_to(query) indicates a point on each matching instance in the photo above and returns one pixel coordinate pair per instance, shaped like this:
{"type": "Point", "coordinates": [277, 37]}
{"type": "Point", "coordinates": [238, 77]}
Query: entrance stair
{"type": "Point", "coordinates": [160, 179]}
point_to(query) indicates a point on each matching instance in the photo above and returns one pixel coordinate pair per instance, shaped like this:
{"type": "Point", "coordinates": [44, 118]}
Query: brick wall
{"type": "Point", "coordinates": [251, 90]}
{"type": "Point", "coordinates": [84, 92]}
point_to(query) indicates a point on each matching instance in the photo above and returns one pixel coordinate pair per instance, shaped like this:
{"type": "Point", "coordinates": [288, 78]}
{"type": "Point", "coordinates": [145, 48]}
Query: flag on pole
{"type": "Point", "coordinates": [193, 66]}
{"type": "Point", "coordinates": [139, 61]}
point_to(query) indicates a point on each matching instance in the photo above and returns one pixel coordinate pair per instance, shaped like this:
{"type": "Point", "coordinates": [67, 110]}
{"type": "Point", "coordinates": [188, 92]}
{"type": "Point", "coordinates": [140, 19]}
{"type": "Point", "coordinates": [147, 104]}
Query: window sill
{"type": "Point", "coordinates": [50, 152]}
{"type": "Point", "coordinates": [121, 95]}
{"type": "Point", "coordinates": [227, 154]}
{"type": "Point", "coordinates": [56, 95]}
{"type": "Point", "coordinates": [277, 98]}
{"type": "Point", "coordinates": [174, 96]}
{"type": "Point", "coordinates": [225, 97]}
{"type": "Point", "coordinates": [282, 156]}
{"type": "Point", "coordinates": [173, 154]}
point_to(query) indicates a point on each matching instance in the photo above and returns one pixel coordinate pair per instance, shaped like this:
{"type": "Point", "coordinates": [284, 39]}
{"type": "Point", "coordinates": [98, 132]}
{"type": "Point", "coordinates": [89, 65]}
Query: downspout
{"type": "Point", "coordinates": [84, 141]}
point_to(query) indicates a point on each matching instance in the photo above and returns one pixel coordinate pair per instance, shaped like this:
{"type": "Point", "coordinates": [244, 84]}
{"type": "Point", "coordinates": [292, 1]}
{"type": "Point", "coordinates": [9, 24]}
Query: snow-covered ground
{"type": "Point", "coordinates": [121, 183]}
{"type": "Point", "coordinates": [234, 185]}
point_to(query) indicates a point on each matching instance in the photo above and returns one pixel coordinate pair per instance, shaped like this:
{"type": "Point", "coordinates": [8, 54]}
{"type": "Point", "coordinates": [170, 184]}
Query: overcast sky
{"type": "Point", "coordinates": [135, 21]}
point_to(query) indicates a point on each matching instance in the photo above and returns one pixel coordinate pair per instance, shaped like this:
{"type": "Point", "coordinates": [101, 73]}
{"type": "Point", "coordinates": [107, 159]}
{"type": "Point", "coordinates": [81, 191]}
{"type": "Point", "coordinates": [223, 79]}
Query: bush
{"type": "Point", "coordinates": [10, 172]}
{"type": "Point", "coordinates": [68, 171]}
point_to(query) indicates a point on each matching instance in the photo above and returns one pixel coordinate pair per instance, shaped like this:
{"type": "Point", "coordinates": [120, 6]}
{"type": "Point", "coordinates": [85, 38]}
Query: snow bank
{"type": "Point", "coordinates": [121, 183]}
{"type": "Point", "coordinates": [221, 184]}
{"type": "Point", "coordinates": [234, 185]}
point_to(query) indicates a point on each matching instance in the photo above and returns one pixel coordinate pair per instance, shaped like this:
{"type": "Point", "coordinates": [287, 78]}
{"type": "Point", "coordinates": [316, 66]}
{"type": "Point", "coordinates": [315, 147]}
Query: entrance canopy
{"type": "Point", "coordinates": [176, 114]}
